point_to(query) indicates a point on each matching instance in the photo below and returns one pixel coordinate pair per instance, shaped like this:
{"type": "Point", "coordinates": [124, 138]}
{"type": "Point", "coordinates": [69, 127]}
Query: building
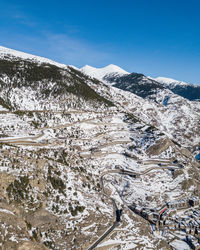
{"type": "Point", "coordinates": [145, 213]}
{"type": "Point", "coordinates": [138, 210]}
{"type": "Point", "coordinates": [192, 231]}
{"type": "Point", "coordinates": [162, 210]}
{"type": "Point", "coordinates": [166, 214]}
{"type": "Point", "coordinates": [197, 232]}
{"type": "Point", "coordinates": [178, 204]}
{"type": "Point", "coordinates": [194, 201]}
{"type": "Point", "coordinates": [192, 242]}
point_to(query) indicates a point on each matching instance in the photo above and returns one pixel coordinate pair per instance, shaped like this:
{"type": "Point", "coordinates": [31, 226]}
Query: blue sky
{"type": "Point", "coordinates": [154, 37]}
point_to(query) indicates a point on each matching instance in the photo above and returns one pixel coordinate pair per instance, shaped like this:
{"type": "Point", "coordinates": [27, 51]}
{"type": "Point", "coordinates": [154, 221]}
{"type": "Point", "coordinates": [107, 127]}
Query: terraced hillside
{"type": "Point", "coordinates": [74, 152]}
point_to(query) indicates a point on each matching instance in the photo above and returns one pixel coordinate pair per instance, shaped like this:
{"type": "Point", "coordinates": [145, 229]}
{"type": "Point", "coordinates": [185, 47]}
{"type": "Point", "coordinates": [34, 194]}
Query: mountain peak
{"type": "Point", "coordinates": [114, 67]}
{"type": "Point", "coordinates": [100, 73]}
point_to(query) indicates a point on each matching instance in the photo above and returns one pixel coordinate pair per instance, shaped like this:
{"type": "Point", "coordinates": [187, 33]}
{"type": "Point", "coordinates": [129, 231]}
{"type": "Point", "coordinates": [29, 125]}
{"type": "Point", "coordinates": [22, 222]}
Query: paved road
{"type": "Point", "coordinates": [158, 168]}
{"type": "Point", "coordinates": [53, 111]}
{"type": "Point", "coordinates": [23, 140]}
{"type": "Point", "coordinates": [115, 224]}
{"type": "Point", "coordinates": [12, 139]}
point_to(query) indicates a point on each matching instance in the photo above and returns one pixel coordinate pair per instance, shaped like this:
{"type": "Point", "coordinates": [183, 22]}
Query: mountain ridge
{"type": "Point", "coordinates": [122, 79]}
{"type": "Point", "coordinates": [4, 52]}
{"type": "Point", "coordinates": [161, 79]}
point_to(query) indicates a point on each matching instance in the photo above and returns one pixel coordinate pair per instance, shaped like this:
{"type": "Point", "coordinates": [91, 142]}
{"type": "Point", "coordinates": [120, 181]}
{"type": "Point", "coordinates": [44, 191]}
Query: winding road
{"type": "Point", "coordinates": [123, 172]}
{"type": "Point", "coordinates": [32, 140]}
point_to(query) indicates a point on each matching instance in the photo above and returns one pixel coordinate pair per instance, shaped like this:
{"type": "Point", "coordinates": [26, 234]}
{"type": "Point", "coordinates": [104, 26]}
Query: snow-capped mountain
{"type": "Point", "coordinates": [142, 85]}
{"type": "Point", "coordinates": [101, 73]}
{"type": "Point", "coordinates": [169, 81]}
{"type": "Point", "coordinates": [173, 112]}
{"type": "Point", "coordinates": [74, 151]}
{"type": "Point", "coordinates": [186, 90]}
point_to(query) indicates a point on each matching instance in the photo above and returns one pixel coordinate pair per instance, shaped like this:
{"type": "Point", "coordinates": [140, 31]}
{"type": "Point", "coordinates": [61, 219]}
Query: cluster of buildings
{"type": "Point", "coordinates": [167, 217]}
{"type": "Point", "coordinates": [189, 224]}
{"type": "Point", "coordinates": [193, 242]}
{"type": "Point", "coordinates": [149, 214]}
{"type": "Point", "coordinates": [183, 203]}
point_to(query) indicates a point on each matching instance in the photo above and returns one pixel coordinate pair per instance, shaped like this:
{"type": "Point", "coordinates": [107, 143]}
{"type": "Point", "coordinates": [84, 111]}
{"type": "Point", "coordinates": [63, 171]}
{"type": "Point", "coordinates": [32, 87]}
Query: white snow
{"type": "Point", "coordinates": [179, 244]}
{"type": "Point", "coordinates": [2, 210]}
{"type": "Point", "coordinates": [100, 73]}
{"type": "Point", "coordinates": [14, 53]}
{"type": "Point", "coordinates": [169, 81]}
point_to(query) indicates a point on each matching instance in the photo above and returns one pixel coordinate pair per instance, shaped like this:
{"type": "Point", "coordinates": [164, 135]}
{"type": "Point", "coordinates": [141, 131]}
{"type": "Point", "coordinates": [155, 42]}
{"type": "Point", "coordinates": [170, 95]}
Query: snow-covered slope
{"type": "Point", "coordinates": [169, 81]}
{"type": "Point", "coordinates": [141, 85]}
{"type": "Point", "coordinates": [11, 53]}
{"type": "Point", "coordinates": [101, 73]}
{"type": "Point", "coordinates": [31, 82]}
{"type": "Point", "coordinates": [186, 90]}
{"type": "Point", "coordinates": [65, 139]}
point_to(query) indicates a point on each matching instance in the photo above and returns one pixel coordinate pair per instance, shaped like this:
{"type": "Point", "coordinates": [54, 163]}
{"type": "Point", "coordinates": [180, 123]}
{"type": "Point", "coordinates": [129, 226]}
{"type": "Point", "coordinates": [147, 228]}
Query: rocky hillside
{"type": "Point", "coordinates": [27, 84]}
{"type": "Point", "coordinates": [137, 84]}
{"type": "Point", "coordinates": [171, 113]}
{"type": "Point", "coordinates": [74, 151]}
{"type": "Point", "coordinates": [141, 85]}
{"type": "Point", "coordinates": [186, 90]}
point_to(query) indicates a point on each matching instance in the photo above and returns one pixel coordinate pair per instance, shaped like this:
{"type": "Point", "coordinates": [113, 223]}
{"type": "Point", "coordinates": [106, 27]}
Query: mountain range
{"type": "Point", "coordinates": [140, 84]}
